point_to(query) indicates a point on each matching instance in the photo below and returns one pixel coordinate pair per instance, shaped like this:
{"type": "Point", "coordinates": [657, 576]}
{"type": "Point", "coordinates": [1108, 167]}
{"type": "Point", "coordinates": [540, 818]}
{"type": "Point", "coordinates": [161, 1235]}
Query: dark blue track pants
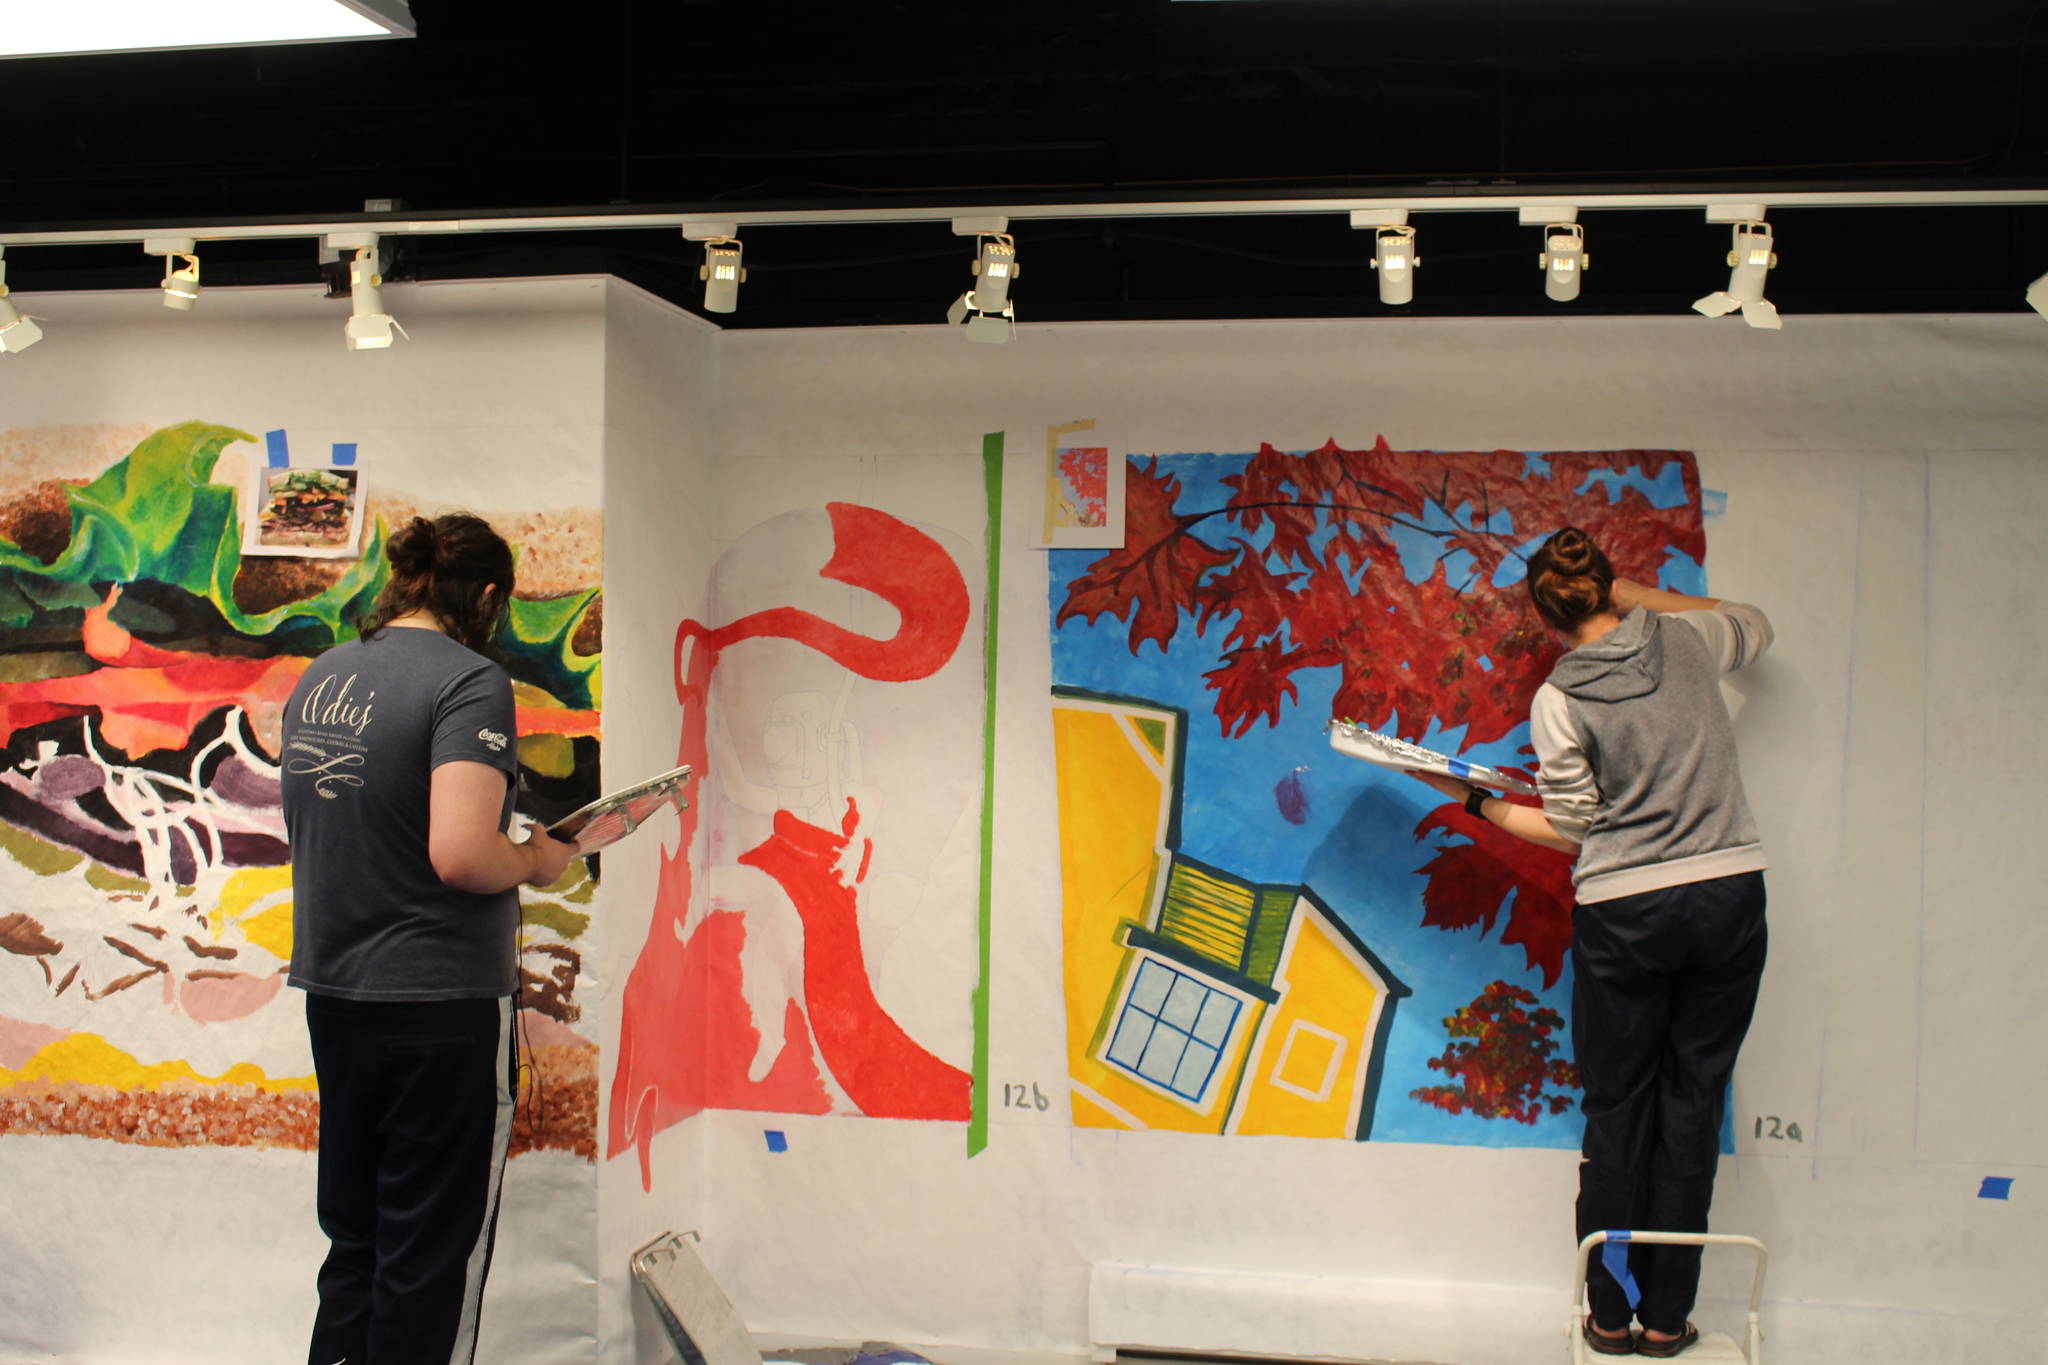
{"type": "Point", "coordinates": [1664, 984]}
{"type": "Point", "coordinates": [415, 1117]}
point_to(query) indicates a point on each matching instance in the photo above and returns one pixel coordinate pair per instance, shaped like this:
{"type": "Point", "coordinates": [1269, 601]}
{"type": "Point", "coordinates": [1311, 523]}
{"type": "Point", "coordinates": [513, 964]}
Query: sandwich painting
{"type": "Point", "coordinates": [145, 883]}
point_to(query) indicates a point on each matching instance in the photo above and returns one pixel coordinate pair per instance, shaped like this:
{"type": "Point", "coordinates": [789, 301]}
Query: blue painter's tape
{"type": "Point", "coordinates": [1995, 1187]}
{"type": "Point", "coordinates": [280, 454]}
{"type": "Point", "coordinates": [777, 1142]}
{"type": "Point", "coordinates": [344, 452]}
{"type": "Point", "coordinates": [1619, 1235]}
{"type": "Point", "coordinates": [1614, 1255]}
{"type": "Point", "coordinates": [1459, 767]}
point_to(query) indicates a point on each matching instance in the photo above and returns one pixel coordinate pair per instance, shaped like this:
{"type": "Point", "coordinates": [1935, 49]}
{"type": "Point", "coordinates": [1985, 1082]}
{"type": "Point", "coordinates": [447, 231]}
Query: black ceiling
{"type": "Point", "coordinates": [625, 105]}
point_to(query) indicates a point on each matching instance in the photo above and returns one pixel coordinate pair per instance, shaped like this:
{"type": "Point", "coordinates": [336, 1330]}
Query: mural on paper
{"type": "Point", "coordinates": [145, 886]}
{"type": "Point", "coordinates": [815, 951]}
{"type": "Point", "coordinates": [1261, 935]}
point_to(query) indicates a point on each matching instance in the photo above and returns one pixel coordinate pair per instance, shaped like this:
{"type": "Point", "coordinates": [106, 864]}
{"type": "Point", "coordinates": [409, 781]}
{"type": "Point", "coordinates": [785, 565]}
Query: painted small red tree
{"type": "Point", "coordinates": [1510, 1057]}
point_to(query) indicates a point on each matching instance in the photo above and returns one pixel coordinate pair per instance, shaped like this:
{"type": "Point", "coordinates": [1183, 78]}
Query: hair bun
{"type": "Point", "coordinates": [1573, 552]}
{"type": "Point", "coordinates": [416, 548]}
{"type": "Point", "coordinates": [1570, 579]}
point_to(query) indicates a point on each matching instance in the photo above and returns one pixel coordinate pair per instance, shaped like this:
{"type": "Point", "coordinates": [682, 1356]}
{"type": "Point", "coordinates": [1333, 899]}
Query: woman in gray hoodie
{"type": "Point", "coordinates": [1639, 778]}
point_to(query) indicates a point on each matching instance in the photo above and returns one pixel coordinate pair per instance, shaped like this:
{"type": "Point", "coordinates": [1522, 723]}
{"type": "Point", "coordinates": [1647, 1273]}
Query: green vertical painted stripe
{"type": "Point", "coordinates": [992, 481]}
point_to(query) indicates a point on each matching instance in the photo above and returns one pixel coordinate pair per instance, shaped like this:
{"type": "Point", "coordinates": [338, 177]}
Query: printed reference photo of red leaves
{"type": "Point", "coordinates": [1501, 1072]}
{"type": "Point", "coordinates": [1301, 567]}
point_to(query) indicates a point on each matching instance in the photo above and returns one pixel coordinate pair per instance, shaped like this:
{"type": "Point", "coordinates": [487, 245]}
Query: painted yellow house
{"type": "Point", "coordinates": [1197, 1001]}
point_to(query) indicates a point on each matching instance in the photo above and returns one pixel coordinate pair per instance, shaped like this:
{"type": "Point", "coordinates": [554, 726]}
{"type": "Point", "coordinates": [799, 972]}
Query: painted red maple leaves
{"type": "Point", "coordinates": [1300, 569]}
{"type": "Point", "coordinates": [1470, 883]}
{"type": "Point", "coordinates": [1382, 564]}
{"type": "Point", "coordinates": [1157, 574]}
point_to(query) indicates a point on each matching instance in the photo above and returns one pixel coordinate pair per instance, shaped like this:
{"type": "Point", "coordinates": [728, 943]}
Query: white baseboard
{"type": "Point", "coordinates": [939, 1352]}
{"type": "Point", "coordinates": [1322, 1317]}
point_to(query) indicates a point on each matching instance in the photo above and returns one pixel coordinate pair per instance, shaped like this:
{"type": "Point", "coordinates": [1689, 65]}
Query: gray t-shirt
{"type": "Point", "coordinates": [367, 725]}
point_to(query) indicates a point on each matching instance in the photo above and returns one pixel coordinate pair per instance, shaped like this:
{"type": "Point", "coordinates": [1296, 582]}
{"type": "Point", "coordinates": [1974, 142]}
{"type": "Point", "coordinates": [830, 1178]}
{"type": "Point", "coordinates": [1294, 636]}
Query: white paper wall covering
{"type": "Point", "coordinates": [1874, 483]}
{"type": "Point", "coordinates": [661, 378]}
{"type": "Point", "coordinates": [1986, 732]}
{"type": "Point", "coordinates": [158, 1127]}
{"type": "Point", "coordinates": [540, 1303]}
{"type": "Point", "coordinates": [1882, 480]}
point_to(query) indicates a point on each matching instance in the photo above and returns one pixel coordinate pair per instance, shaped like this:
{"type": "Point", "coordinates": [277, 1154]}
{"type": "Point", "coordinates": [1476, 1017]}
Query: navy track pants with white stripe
{"type": "Point", "coordinates": [415, 1117]}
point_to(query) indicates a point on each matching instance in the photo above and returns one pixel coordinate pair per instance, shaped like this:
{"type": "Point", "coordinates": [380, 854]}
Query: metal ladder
{"type": "Point", "coordinates": [1712, 1346]}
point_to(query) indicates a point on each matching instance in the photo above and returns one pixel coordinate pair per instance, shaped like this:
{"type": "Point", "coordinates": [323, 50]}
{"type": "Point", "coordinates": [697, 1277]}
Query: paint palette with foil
{"type": "Point", "coordinates": [1386, 751]}
{"type": "Point", "coordinates": [611, 818]}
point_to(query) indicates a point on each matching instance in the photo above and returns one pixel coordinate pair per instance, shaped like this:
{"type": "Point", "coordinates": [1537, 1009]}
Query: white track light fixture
{"type": "Point", "coordinates": [1750, 260]}
{"type": "Point", "coordinates": [181, 286]}
{"type": "Point", "coordinates": [986, 309]}
{"type": "Point", "coordinates": [995, 266]}
{"type": "Point", "coordinates": [1564, 260]}
{"type": "Point", "coordinates": [1393, 255]}
{"type": "Point", "coordinates": [2037, 296]}
{"type": "Point", "coordinates": [181, 282]}
{"type": "Point", "coordinates": [18, 331]}
{"type": "Point", "coordinates": [722, 274]}
{"type": "Point", "coordinates": [992, 328]}
{"type": "Point", "coordinates": [369, 327]}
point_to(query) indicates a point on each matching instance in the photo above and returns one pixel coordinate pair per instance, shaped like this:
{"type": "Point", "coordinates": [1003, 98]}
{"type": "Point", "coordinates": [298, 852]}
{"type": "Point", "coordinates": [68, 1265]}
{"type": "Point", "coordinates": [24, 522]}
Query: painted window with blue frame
{"type": "Point", "coordinates": [1172, 1030]}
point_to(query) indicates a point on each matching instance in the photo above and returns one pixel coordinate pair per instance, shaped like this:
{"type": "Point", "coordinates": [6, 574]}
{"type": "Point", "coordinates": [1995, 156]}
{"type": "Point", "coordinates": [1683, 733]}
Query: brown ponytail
{"type": "Point", "coordinates": [442, 567]}
{"type": "Point", "coordinates": [1570, 580]}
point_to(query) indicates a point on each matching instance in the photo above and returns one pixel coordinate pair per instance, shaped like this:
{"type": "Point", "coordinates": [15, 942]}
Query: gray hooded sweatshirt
{"type": "Point", "coordinates": [1637, 755]}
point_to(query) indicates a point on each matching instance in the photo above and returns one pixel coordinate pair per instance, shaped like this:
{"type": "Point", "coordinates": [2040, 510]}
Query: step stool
{"type": "Point", "coordinates": [703, 1327]}
{"type": "Point", "coordinates": [694, 1312]}
{"type": "Point", "coordinates": [1713, 1348]}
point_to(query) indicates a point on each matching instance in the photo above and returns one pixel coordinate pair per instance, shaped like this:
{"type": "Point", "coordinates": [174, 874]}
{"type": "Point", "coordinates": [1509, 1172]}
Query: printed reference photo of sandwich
{"type": "Point", "coordinates": [307, 508]}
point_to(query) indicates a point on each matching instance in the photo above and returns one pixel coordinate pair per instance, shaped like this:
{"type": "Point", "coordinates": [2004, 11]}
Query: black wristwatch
{"type": "Point", "coordinates": [1474, 799]}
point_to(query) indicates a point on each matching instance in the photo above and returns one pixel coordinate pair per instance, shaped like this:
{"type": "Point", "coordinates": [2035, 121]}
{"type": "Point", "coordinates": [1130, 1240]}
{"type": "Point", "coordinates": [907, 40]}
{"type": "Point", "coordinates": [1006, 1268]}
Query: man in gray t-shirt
{"type": "Point", "coordinates": [398, 768]}
{"type": "Point", "coordinates": [366, 727]}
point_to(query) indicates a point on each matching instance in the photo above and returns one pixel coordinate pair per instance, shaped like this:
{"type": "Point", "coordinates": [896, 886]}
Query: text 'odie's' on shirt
{"type": "Point", "coordinates": [367, 725]}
